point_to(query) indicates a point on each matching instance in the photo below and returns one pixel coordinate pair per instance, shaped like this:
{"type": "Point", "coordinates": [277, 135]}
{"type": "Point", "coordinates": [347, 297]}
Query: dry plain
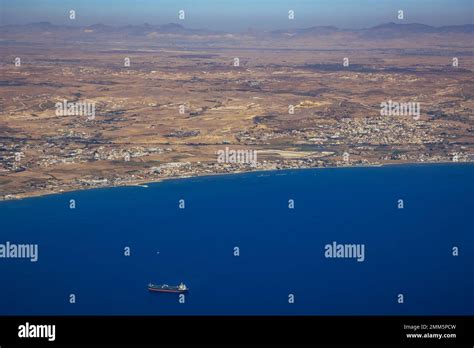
{"type": "Point", "coordinates": [182, 99]}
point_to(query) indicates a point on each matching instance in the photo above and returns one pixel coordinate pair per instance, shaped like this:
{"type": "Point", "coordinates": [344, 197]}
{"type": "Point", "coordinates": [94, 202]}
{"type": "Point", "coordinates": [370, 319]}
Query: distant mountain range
{"type": "Point", "coordinates": [142, 29]}
{"type": "Point", "coordinates": [388, 30]}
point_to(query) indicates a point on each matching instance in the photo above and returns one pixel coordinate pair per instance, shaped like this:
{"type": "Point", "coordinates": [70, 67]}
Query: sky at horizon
{"type": "Point", "coordinates": [237, 15]}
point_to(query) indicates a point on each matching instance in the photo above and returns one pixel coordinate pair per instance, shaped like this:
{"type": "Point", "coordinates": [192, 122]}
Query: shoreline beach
{"type": "Point", "coordinates": [146, 182]}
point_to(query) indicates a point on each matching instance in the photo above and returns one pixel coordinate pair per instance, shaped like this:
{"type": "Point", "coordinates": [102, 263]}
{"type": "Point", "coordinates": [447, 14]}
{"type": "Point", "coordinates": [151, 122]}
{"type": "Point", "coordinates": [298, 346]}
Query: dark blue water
{"type": "Point", "coordinates": [407, 251]}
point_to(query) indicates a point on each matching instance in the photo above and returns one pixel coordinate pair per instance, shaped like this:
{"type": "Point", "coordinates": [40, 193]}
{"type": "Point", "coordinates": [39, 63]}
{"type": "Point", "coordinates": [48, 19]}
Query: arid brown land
{"type": "Point", "coordinates": [188, 94]}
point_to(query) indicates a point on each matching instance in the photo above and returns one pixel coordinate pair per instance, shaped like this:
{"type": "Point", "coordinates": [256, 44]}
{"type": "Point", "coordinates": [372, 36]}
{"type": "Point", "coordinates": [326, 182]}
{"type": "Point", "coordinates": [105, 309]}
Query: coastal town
{"type": "Point", "coordinates": [85, 119]}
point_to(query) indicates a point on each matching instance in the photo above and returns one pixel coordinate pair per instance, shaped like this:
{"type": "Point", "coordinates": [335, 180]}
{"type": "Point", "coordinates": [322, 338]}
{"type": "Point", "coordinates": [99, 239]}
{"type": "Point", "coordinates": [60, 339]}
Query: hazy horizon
{"type": "Point", "coordinates": [238, 15]}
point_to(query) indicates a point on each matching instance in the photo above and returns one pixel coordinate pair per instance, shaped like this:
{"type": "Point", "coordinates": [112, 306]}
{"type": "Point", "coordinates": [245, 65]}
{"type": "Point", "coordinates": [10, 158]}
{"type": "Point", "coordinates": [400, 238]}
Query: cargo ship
{"type": "Point", "coordinates": [181, 288]}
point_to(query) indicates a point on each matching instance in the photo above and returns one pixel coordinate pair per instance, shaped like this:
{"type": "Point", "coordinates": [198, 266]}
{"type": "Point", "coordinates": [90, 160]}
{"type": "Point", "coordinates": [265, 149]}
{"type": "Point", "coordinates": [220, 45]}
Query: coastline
{"type": "Point", "coordinates": [145, 182]}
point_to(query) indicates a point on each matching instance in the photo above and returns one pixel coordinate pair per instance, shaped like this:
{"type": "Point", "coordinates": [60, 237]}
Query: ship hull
{"type": "Point", "coordinates": [166, 288]}
{"type": "Point", "coordinates": [173, 291]}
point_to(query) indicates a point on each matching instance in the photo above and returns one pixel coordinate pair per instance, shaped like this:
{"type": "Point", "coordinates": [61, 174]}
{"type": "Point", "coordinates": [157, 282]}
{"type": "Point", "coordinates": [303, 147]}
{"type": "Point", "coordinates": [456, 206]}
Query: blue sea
{"type": "Point", "coordinates": [408, 251]}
